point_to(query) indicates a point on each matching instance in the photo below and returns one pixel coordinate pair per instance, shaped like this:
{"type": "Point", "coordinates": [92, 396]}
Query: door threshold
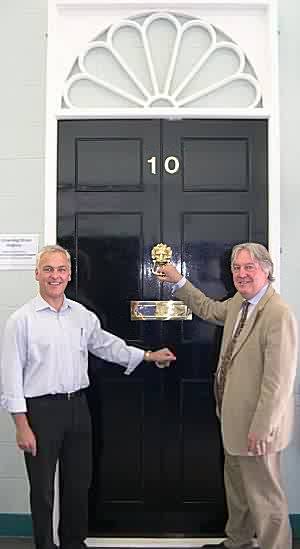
{"type": "Point", "coordinates": [152, 542]}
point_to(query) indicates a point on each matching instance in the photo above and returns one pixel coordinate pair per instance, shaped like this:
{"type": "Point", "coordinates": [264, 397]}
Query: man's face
{"type": "Point", "coordinates": [248, 276]}
{"type": "Point", "coordinates": [53, 275]}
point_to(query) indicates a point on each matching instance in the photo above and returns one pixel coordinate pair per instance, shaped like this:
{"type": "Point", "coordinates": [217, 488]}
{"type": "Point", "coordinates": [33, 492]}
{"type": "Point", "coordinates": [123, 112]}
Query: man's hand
{"type": "Point", "coordinates": [162, 357]}
{"type": "Point", "coordinates": [25, 437]}
{"type": "Point", "coordinates": [256, 446]}
{"type": "Point", "coordinates": [169, 273]}
{"type": "Point", "coordinates": [26, 440]}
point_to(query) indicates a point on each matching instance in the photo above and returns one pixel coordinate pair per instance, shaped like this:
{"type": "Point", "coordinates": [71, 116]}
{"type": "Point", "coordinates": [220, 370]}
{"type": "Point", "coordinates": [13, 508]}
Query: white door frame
{"type": "Point", "coordinates": [58, 10]}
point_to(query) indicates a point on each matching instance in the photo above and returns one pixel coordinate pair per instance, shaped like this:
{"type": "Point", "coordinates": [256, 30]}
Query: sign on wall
{"type": "Point", "coordinates": [18, 251]}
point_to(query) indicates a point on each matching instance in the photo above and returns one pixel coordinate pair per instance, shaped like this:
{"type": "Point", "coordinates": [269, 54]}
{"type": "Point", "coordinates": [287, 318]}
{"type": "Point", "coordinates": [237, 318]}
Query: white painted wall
{"type": "Point", "coordinates": [289, 16]}
{"type": "Point", "coordinates": [23, 26]}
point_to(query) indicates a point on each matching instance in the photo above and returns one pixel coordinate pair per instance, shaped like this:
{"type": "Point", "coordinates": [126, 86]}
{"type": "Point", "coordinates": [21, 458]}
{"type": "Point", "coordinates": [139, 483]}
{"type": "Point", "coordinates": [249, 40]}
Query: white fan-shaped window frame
{"type": "Point", "coordinates": [162, 93]}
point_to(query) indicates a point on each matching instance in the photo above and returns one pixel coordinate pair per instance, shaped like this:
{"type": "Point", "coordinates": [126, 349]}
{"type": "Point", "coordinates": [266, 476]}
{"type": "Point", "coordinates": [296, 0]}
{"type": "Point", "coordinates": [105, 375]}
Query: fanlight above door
{"type": "Point", "coordinates": [162, 60]}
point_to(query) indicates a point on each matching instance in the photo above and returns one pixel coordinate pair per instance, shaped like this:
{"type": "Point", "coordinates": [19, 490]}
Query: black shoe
{"type": "Point", "coordinates": [79, 545]}
{"type": "Point", "coordinates": [220, 546]}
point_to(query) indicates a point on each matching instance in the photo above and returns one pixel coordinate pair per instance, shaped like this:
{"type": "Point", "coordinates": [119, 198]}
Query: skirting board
{"type": "Point", "coordinates": [17, 525]}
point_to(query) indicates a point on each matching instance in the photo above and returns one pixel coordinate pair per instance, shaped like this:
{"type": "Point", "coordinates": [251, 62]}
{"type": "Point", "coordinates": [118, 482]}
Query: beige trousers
{"type": "Point", "coordinates": [256, 503]}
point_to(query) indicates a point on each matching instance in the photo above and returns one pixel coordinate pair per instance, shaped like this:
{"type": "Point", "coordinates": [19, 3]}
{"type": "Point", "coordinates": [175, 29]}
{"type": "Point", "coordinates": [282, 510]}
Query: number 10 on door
{"type": "Point", "coordinates": [171, 164]}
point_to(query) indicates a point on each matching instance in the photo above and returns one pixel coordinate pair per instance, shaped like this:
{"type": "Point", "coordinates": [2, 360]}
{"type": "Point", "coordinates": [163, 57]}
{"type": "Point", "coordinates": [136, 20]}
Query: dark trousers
{"type": "Point", "coordinates": [63, 431]}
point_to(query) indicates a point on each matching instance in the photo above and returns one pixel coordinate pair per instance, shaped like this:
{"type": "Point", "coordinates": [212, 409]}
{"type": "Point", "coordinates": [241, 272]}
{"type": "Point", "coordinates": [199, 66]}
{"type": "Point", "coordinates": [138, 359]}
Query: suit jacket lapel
{"type": "Point", "coordinates": [230, 322]}
{"type": "Point", "coordinates": [252, 320]}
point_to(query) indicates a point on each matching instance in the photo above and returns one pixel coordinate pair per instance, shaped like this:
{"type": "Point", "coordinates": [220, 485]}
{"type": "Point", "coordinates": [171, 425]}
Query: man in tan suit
{"type": "Point", "coordinates": [254, 390]}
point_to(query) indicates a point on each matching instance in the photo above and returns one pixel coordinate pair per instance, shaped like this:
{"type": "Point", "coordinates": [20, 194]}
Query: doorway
{"type": "Point", "coordinates": [199, 186]}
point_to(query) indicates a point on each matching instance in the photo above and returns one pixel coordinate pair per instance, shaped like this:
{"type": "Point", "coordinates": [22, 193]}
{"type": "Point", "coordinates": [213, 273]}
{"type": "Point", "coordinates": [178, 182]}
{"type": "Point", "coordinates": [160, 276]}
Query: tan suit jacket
{"type": "Point", "coordinates": [258, 396]}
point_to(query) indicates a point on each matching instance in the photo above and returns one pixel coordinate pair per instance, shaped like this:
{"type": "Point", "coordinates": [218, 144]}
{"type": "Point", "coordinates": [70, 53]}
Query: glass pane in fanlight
{"type": "Point", "coordinates": [161, 38]}
{"type": "Point", "coordinates": [222, 63]}
{"type": "Point", "coordinates": [237, 94]}
{"type": "Point", "coordinates": [101, 64]}
{"type": "Point", "coordinates": [127, 41]}
{"type": "Point", "coordinates": [86, 94]}
{"type": "Point", "coordinates": [194, 44]}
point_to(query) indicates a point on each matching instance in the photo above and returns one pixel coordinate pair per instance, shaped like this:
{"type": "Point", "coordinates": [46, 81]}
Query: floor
{"type": "Point", "coordinates": [27, 544]}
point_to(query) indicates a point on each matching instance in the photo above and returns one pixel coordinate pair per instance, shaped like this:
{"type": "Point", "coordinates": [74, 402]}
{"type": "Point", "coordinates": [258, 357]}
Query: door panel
{"type": "Point", "coordinates": [124, 186]}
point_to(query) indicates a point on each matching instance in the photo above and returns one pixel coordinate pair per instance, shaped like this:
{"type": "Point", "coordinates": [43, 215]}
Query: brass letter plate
{"type": "Point", "coordinates": [159, 310]}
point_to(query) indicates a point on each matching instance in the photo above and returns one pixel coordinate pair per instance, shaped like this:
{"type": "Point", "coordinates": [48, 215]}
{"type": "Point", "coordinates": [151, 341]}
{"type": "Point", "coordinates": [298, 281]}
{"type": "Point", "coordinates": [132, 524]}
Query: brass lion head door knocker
{"type": "Point", "coordinates": [161, 255]}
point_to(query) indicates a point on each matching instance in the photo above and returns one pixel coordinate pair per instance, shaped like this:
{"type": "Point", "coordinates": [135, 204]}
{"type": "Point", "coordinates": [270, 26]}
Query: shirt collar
{"type": "Point", "coordinates": [254, 300]}
{"type": "Point", "coordinates": [41, 304]}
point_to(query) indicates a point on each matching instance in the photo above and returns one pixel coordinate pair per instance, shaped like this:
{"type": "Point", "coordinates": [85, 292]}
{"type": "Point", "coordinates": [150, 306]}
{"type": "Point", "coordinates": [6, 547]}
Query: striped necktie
{"type": "Point", "coordinates": [221, 373]}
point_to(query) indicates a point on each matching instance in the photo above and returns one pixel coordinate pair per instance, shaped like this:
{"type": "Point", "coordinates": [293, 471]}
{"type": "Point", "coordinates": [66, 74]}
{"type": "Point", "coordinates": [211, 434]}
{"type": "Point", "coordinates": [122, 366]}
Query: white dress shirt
{"type": "Point", "coordinates": [45, 351]}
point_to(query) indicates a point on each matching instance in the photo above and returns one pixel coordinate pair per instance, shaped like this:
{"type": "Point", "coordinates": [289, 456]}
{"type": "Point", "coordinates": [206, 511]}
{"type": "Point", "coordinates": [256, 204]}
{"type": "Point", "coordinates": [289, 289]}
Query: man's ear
{"type": "Point", "coordinates": [69, 277]}
{"type": "Point", "coordinates": [36, 274]}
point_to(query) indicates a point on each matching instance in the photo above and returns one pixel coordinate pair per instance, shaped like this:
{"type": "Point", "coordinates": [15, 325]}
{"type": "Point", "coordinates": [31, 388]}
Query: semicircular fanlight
{"type": "Point", "coordinates": [162, 60]}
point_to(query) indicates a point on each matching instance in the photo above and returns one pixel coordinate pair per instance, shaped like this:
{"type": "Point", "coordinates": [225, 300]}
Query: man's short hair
{"type": "Point", "coordinates": [51, 249]}
{"type": "Point", "coordinates": [259, 253]}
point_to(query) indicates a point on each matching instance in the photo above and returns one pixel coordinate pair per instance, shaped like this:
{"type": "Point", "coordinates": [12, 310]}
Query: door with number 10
{"type": "Point", "coordinates": [200, 186]}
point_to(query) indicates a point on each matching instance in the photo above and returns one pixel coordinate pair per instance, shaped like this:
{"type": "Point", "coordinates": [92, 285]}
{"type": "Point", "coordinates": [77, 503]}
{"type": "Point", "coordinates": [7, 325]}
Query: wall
{"type": "Point", "coordinates": [22, 107]}
{"type": "Point", "coordinates": [289, 45]}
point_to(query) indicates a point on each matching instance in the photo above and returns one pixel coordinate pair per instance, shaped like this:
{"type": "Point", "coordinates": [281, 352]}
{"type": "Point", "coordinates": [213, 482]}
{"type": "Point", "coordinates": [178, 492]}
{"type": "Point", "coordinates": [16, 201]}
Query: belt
{"type": "Point", "coordinates": [61, 396]}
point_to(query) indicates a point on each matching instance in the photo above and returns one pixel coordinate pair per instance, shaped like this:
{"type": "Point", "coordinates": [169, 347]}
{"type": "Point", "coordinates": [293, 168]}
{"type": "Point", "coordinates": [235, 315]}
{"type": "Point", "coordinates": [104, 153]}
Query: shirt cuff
{"type": "Point", "coordinates": [14, 405]}
{"type": "Point", "coordinates": [136, 357]}
{"type": "Point", "coordinates": [179, 284]}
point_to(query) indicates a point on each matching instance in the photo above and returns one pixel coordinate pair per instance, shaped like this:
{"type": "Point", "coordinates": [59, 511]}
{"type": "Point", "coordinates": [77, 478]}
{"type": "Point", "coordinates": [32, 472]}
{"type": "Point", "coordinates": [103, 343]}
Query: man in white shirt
{"type": "Point", "coordinates": [44, 372]}
{"type": "Point", "coordinates": [254, 392]}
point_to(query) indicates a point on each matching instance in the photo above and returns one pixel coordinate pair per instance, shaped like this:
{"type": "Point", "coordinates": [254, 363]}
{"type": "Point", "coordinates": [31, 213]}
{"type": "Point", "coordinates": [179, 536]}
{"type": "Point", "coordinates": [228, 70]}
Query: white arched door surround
{"type": "Point", "coordinates": [244, 31]}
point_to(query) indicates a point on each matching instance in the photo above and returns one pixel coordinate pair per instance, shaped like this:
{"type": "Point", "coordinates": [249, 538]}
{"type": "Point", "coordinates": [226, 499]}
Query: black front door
{"type": "Point", "coordinates": [124, 186]}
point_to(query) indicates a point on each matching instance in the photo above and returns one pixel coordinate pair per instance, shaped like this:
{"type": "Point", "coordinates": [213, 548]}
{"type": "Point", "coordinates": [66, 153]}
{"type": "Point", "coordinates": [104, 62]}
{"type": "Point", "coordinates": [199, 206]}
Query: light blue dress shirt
{"type": "Point", "coordinates": [46, 351]}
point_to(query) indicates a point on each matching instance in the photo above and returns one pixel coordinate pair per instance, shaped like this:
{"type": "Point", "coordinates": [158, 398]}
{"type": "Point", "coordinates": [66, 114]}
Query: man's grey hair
{"type": "Point", "coordinates": [54, 248]}
{"type": "Point", "coordinates": [258, 253]}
